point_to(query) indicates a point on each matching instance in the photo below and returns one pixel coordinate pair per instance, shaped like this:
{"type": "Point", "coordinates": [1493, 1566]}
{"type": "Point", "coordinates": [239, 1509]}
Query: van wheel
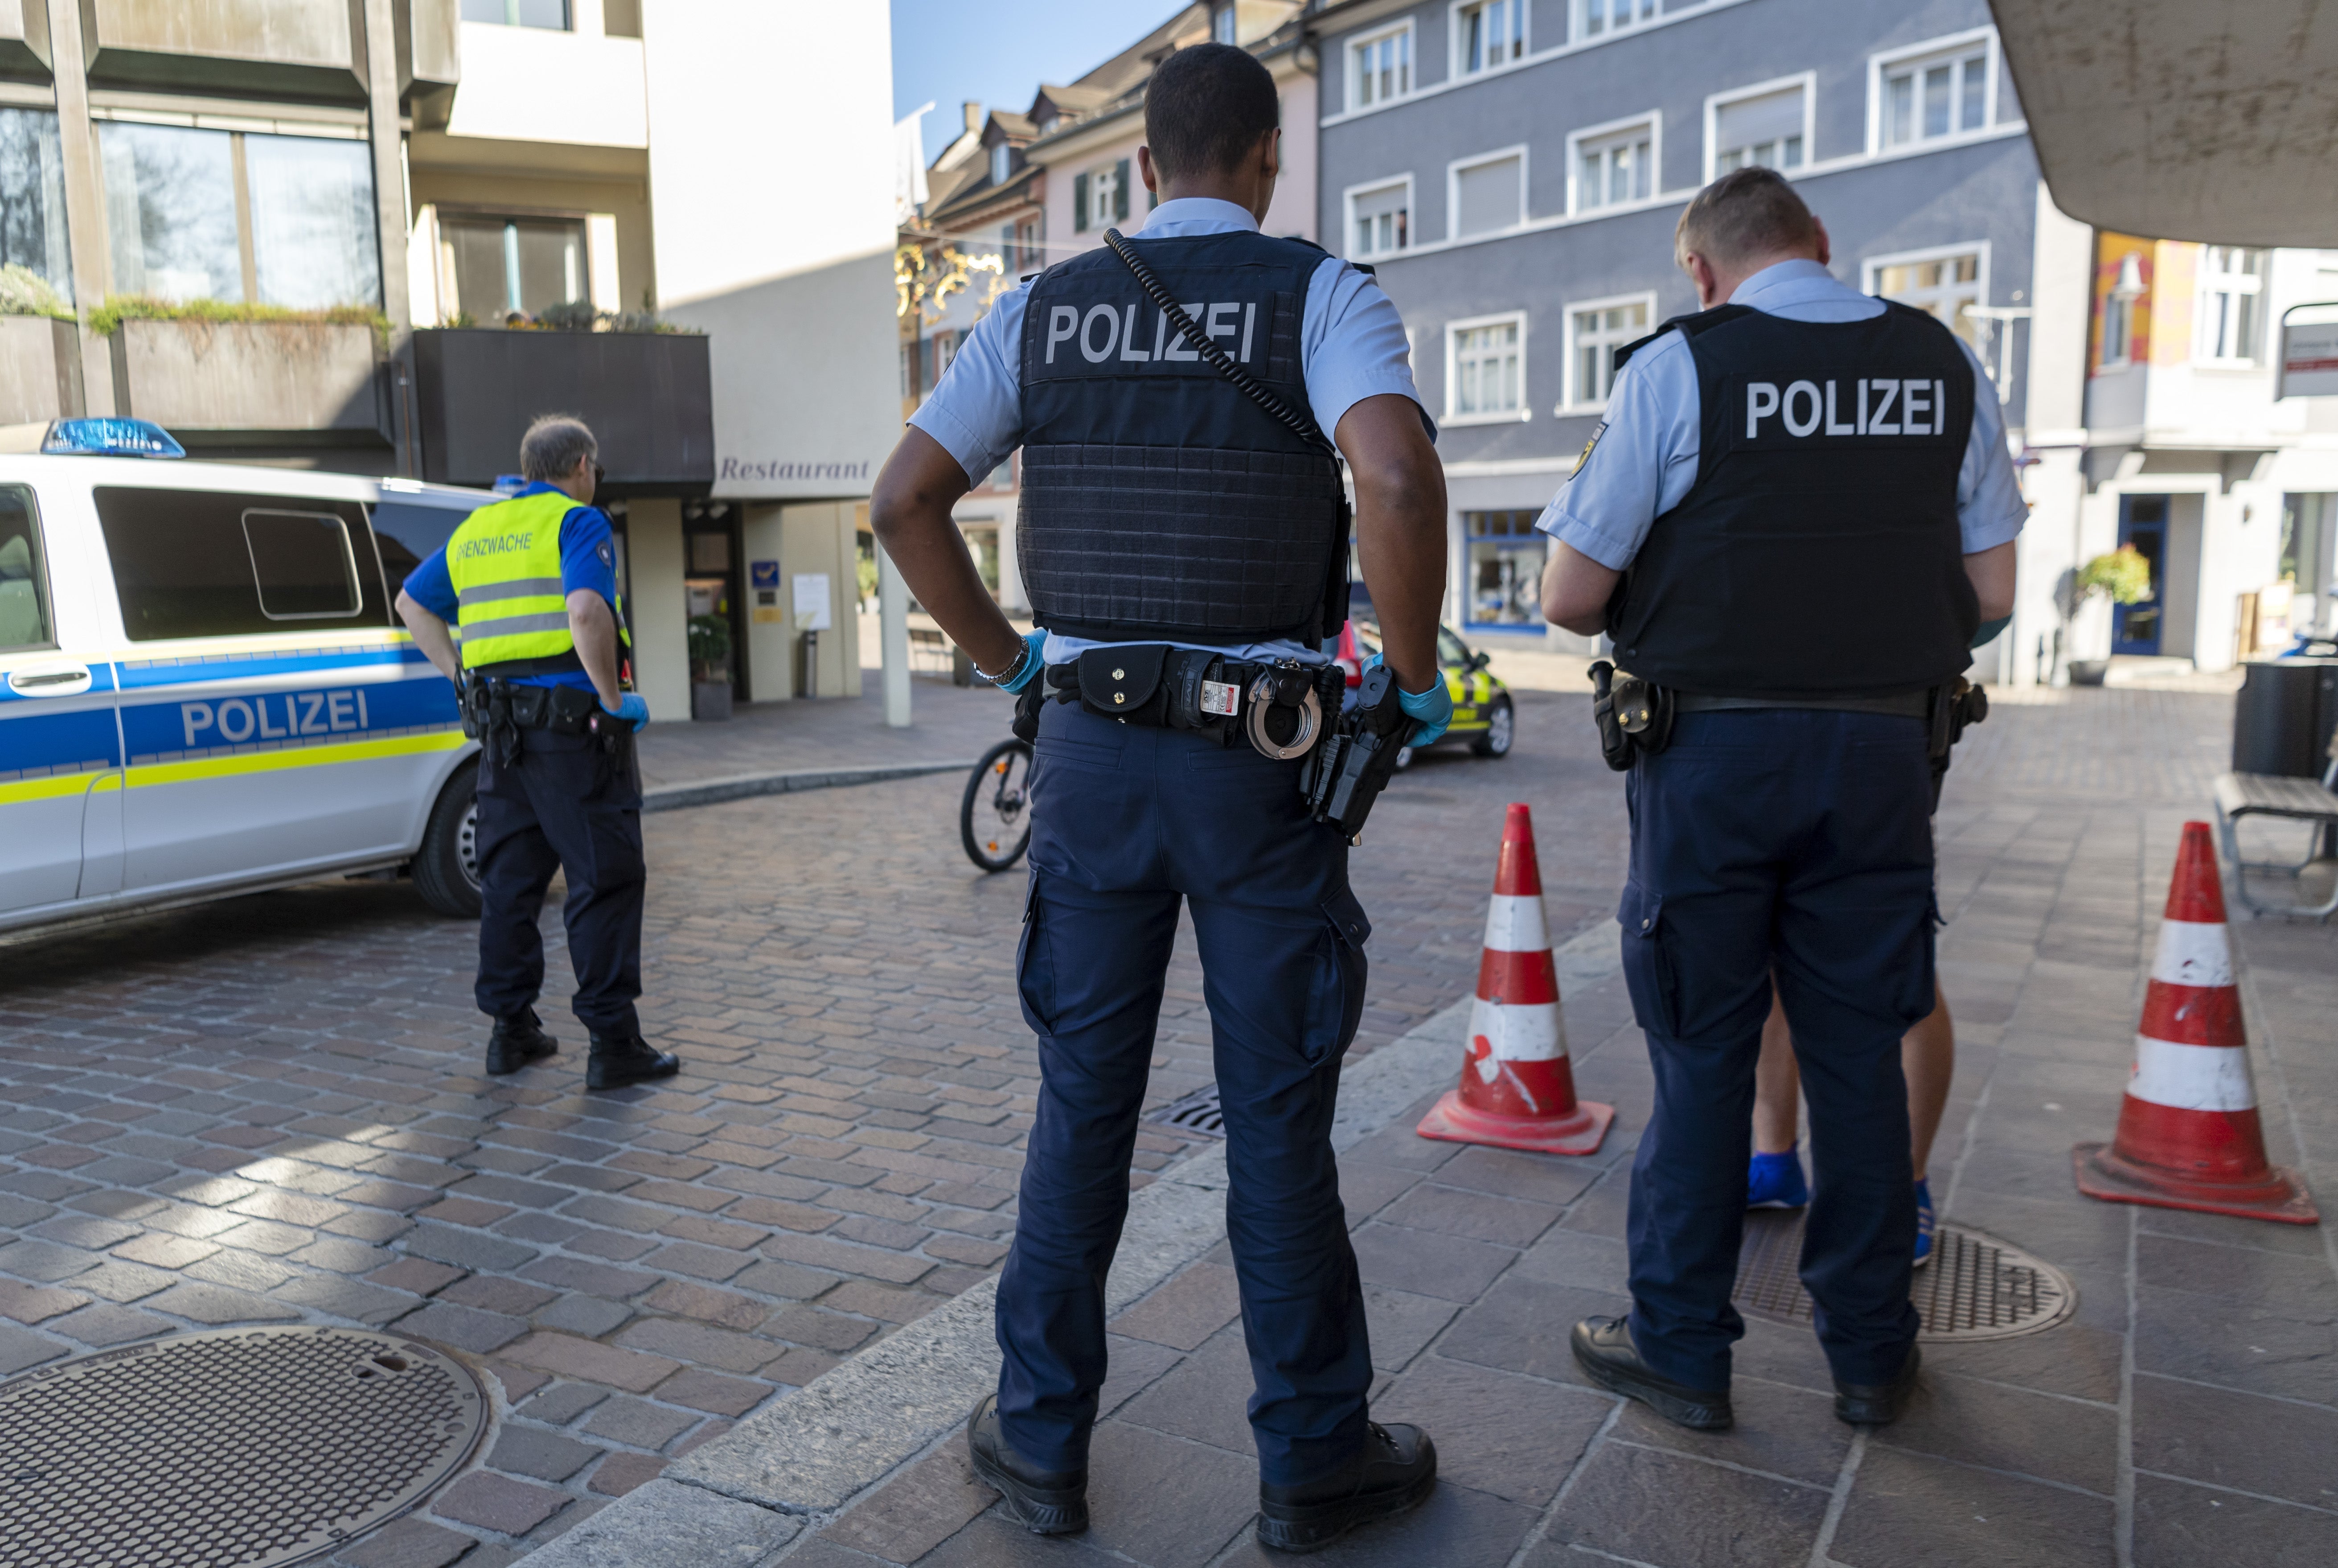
{"type": "Point", "coordinates": [447, 868]}
{"type": "Point", "coordinates": [1501, 729]}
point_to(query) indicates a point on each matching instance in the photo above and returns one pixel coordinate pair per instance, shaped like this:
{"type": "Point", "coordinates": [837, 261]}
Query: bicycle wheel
{"type": "Point", "coordinates": [994, 821]}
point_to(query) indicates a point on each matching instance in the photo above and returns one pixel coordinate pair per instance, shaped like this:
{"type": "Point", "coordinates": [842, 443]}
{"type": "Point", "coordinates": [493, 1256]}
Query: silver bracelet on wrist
{"type": "Point", "coordinates": [1022, 658]}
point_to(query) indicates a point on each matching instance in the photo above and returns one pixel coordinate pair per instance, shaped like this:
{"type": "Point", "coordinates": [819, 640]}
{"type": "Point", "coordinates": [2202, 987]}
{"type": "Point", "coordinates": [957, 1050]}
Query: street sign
{"type": "Point", "coordinates": [2309, 352]}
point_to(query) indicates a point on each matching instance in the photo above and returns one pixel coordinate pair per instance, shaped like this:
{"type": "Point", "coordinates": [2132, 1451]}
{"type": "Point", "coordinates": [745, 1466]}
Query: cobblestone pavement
{"type": "Point", "coordinates": [2186, 1415]}
{"type": "Point", "coordinates": [271, 1109]}
{"type": "Point", "coordinates": [949, 723]}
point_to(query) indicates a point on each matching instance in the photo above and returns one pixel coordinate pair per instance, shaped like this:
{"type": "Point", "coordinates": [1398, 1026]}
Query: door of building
{"type": "Point", "coordinates": [2136, 628]}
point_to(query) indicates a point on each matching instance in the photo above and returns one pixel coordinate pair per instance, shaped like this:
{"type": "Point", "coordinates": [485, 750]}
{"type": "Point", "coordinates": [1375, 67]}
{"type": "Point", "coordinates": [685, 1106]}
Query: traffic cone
{"type": "Point", "coordinates": [1518, 1091]}
{"type": "Point", "coordinates": [2188, 1135]}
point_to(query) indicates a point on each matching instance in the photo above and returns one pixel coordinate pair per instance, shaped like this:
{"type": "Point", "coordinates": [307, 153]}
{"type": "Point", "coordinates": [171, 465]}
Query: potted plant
{"type": "Point", "coordinates": [710, 667]}
{"type": "Point", "coordinates": [2123, 577]}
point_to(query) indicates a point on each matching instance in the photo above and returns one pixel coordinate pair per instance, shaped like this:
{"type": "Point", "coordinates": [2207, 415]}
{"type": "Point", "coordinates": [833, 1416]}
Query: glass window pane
{"type": "Point", "coordinates": [312, 222]}
{"type": "Point", "coordinates": [184, 565]}
{"type": "Point", "coordinates": [302, 564]}
{"type": "Point", "coordinates": [407, 535]}
{"type": "Point", "coordinates": [551, 264]}
{"type": "Point", "coordinates": [1976, 78]}
{"type": "Point", "coordinates": [1754, 130]}
{"type": "Point", "coordinates": [1936, 101]}
{"type": "Point", "coordinates": [32, 198]}
{"type": "Point", "coordinates": [24, 577]}
{"type": "Point", "coordinates": [1900, 117]}
{"type": "Point", "coordinates": [170, 211]}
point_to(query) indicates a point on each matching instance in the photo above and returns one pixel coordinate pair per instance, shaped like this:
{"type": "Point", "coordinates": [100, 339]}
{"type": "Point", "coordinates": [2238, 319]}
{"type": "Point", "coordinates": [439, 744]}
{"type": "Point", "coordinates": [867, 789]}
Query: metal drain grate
{"type": "Point", "coordinates": [1198, 1113]}
{"type": "Point", "coordinates": [1975, 1288]}
{"type": "Point", "coordinates": [242, 1448]}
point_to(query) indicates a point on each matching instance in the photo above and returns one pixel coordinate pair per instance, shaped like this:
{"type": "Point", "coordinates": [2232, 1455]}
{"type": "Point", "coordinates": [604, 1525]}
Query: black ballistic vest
{"type": "Point", "coordinates": [1158, 502]}
{"type": "Point", "coordinates": [1818, 552]}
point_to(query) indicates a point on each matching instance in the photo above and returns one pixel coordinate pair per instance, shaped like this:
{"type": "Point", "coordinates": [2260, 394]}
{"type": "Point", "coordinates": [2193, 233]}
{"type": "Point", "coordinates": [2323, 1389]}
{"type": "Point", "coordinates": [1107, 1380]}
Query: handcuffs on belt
{"type": "Point", "coordinates": [1278, 706]}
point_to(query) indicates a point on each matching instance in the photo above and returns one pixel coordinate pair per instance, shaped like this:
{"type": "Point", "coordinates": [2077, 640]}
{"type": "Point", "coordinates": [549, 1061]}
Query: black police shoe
{"type": "Point", "coordinates": [618, 1060]}
{"type": "Point", "coordinates": [1877, 1404]}
{"type": "Point", "coordinates": [1603, 1349]}
{"type": "Point", "coordinates": [1395, 1471]}
{"type": "Point", "coordinates": [1047, 1502]}
{"type": "Point", "coordinates": [518, 1040]}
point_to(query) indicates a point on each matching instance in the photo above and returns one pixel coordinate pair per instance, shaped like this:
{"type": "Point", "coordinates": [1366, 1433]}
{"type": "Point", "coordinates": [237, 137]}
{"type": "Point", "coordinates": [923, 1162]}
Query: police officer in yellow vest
{"type": "Point", "coordinates": [531, 582]}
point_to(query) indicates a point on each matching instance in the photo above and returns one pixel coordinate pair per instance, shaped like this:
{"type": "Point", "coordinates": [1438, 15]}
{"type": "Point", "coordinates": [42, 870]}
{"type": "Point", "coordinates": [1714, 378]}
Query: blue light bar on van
{"type": "Point", "coordinates": [111, 439]}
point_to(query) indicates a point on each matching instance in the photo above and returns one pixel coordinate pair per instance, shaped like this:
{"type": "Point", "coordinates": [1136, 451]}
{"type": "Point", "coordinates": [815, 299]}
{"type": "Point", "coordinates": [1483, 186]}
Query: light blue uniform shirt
{"type": "Point", "coordinates": [1644, 461]}
{"type": "Point", "coordinates": [1352, 346]}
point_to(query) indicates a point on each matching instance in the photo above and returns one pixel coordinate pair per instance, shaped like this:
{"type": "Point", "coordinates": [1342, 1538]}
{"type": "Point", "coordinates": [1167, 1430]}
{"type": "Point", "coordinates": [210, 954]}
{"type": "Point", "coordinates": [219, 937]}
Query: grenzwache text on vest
{"type": "Point", "coordinates": [1899, 408]}
{"type": "Point", "coordinates": [1217, 320]}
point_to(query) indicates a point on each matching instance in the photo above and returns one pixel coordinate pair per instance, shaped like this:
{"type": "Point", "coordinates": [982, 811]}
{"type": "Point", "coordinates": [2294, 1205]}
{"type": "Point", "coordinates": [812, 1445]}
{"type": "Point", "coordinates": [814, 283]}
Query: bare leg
{"type": "Point", "coordinates": [1928, 1055]}
{"type": "Point", "coordinates": [1778, 1086]}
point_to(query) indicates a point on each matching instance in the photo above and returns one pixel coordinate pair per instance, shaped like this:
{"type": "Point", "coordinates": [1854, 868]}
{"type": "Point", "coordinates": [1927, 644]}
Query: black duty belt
{"type": "Point", "coordinates": [1281, 708]}
{"type": "Point", "coordinates": [1635, 716]}
{"type": "Point", "coordinates": [1899, 705]}
{"type": "Point", "coordinates": [497, 711]}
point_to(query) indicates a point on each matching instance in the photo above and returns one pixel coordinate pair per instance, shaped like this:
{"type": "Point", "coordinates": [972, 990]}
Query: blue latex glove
{"type": "Point", "coordinates": [1990, 629]}
{"type": "Point", "coordinates": [633, 708]}
{"type": "Point", "coordinates": [1037, 641]}
{"type": "Point", "coordinates": [1433, 707]}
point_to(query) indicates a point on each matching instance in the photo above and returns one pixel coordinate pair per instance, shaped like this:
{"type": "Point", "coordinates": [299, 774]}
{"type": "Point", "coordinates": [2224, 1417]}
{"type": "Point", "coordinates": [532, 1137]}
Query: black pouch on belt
{"type": "Point", "coordinates": [1200, 694]}
{"type": "Point", "coordinates": [1028, 703]}
{"type": "Point", "coordinates": [530, 707]}
{"type": "Point", "coordinates": [1125, 682]}
{"type": "Point", "coordinates": [568, 709]}
{"type": "Point", "coordinates": [1635, 716]}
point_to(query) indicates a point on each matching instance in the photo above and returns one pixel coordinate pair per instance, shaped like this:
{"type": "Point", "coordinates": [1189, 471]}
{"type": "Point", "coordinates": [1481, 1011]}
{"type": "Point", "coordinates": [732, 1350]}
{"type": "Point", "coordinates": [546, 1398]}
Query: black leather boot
{"type": "Point", "coordinates": [618, 1060]}
{"type": "Point", "coordinates": [518, 1041]}
{"type": "Point", "coordinates": [1046, 1502]}
{"type": "Point", "coordinates": [1877, 1404]}
{"type": "Point", "coordinates": [1603, 1349]}
{"type": "Point", "coordinates": [1395, 1471]}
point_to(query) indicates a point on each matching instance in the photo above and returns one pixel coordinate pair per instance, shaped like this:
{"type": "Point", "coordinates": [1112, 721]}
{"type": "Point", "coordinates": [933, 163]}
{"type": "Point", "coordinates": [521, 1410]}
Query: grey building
{"type": "Point", "coordinates": [1513, 169]}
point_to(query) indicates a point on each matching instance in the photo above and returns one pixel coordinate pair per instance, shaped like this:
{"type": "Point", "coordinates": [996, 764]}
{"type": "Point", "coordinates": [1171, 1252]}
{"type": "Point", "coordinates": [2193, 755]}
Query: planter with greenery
{"type": "Point", "coordinates": [205, 364]}
{"type": "Point", "coordinates": [40, 352]}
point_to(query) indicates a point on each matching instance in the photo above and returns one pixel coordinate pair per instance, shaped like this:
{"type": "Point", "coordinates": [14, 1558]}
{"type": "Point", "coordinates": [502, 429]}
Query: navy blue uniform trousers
{"type": "Point", "coordinates": [563, 803]}
{"type": "Point", "coordinates": [1797, 843]}
{"type": "Point", "coordinates": [1126, 824]}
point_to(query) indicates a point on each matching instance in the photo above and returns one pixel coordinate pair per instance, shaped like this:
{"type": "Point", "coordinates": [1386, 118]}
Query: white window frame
{"type": "Point", "coordinates": [1360, 41]}
{"type": "Point", "coordinates": [2255, 358]}
{"type": "Point", "coordinates": [1369, 187]}
{"type": "Point", "coordinates": [1453, 331]}
{"type": "Point", "coordinates": [1099, 215]}
{"type": "Point", "coordinates": [1457, 68]}
{"type": "Point", "coordinates": [2120, 297]}
{"type": "Point", "coordinates": [1453, 172]}
{"type": "Point", "coordinates": [1808, 81]}
{"type": "Point", "coordinates": [1654, 122]}
{"type": "Point", "coordinates": [1579, 21]}
{"type": "Point", "coordinates": [1576, 403]}
{"type": "Point", "coordinates": [1880, 66]}
{"type": "Point", "coordinates": [1871, 268]}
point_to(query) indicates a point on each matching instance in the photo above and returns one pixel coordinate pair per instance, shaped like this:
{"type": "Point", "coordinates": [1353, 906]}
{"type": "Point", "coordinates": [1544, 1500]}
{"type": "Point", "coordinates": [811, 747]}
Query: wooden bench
{"type": "Point", "coordinates": [2284, 799]}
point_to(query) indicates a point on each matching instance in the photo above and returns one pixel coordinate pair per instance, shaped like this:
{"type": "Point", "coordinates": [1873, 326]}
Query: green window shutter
{"type": "Point", "coordinates": [1120, 193]}
{"type": "Point", "coordinates": [1079, 204]}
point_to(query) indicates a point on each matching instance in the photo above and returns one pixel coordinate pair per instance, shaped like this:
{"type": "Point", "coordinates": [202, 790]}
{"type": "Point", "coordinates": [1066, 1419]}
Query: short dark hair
{"type": "Point", "coordinates": [553, 446]}
{"type": "Point", "coordinates": [1206, 107]}
{"type": "Point", "coordinates": [1746, 215]}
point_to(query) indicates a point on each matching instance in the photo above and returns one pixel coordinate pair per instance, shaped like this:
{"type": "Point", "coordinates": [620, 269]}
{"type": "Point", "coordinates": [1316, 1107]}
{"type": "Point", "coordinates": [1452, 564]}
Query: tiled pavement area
{"type": "Point", "coordinates": [269, 1111]}
{"type": "Point", "coordinates": [2185, 1415]}
{"type": "Point", "coordinates": [948, 722]}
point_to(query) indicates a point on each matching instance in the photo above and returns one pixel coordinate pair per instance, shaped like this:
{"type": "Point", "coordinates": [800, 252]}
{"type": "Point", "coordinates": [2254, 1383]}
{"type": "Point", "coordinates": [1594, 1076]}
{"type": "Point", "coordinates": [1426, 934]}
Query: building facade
{"type": "Point", "coordinates": [379, 236]}
{"type": "Point", "coordinates": [1514, 170]}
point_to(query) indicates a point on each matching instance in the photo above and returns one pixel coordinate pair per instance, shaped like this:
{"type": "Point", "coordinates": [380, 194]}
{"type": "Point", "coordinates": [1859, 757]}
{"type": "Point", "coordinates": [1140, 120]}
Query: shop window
{"type": "Point", "coordinates": [225, 215]}
{"type": "Point", "coordinates": [1506, 557]}
{"type": "Point", "coordinates": [1380, 68]}
{"type": "Point", "coordinates": [1765, 128]}
{"type": "Point", "coordinates": [32, 198]}
{"type": "Point", "coordinates": [506, 266]}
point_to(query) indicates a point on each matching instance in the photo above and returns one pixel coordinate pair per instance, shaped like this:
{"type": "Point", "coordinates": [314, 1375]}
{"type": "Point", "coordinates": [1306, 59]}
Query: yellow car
{"type": "Point", "coordinates": [1483, 714]}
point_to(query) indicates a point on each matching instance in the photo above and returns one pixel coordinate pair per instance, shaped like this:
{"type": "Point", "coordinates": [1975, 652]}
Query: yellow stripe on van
{"type": "Point", "coordinates": [42, 789]}
{"type": "Point", "coordinates": [292, 757]}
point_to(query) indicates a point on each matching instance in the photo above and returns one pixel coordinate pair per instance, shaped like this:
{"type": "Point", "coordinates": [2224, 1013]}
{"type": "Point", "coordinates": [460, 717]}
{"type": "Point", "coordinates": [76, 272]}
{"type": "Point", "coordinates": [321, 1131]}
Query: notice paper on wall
{"type": "Point", "coordinates": [811, 601]}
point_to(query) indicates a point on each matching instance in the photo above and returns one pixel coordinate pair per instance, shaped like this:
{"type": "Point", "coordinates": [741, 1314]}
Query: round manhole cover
{"type": "Point", "coordinates": [1975, 1288]}
{"type": "Point", "coordinates": [245, 1448]}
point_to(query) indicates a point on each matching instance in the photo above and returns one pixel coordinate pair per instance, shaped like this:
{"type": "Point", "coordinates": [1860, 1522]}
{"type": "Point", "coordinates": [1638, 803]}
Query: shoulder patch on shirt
{"type": "Point", "coordinates": [1598, 431]}
{"type": "Point", "coordinates": [609, 556]}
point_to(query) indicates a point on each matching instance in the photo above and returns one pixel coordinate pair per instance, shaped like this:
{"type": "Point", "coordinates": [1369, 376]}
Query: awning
{"type": "Point", "coordinates": [2207, 119]}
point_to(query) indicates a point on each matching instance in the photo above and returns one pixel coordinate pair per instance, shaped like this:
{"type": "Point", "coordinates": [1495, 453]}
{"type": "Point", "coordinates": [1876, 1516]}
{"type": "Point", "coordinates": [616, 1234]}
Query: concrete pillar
{"type": "Point", "coordinates": [893, 619]}
{"type": "Point", "coordinates": [659, 607]}
{"type": "Point", "coordinates": [390, 217]}
{"type": "Point", "coordinates": [85, 203]}
{"type": "Point", "coordinates": [771, 648]}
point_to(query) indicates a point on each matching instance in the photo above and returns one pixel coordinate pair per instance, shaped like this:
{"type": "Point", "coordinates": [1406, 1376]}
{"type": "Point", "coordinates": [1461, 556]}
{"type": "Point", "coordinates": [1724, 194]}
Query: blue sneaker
{"type": "Point", "coordinates": [1924, 1222]}
{"type": "Point", "coordinates": [1775, 1181]}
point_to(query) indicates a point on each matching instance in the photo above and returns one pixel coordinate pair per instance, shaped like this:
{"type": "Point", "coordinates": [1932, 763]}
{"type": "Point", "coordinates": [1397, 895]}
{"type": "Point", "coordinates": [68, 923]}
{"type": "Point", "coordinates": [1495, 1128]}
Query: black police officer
{"type": "Point", "coordinates": [1798, 510]}
{"type": "Point", "coordinates": [1163, 510]}
{"type": "Point", "coordinates": [531, 580]}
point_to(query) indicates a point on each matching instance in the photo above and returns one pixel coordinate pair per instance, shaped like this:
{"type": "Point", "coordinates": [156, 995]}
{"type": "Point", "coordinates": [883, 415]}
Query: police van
{"type": "Point", "coordinates": [204, 689]}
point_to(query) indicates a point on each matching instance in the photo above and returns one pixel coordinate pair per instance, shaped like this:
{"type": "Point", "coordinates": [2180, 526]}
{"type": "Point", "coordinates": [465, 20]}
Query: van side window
{"type": "Point", "coordinates": [408, 535]}
{"type": "Point", "coordinates": [24, 575]}
{"type": "Point", "coordinates": [223, 563]}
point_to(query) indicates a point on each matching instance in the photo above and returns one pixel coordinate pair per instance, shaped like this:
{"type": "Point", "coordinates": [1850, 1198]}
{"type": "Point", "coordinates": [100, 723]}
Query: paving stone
{"type": "Point", "coordinates": [1519, 1325]}
{"type": "Point", "coordinates": [1134, 1365]}
{"type": "Point", "coordinates": [349, 1298]}
{"type": "Point", "coordinates": [417, 1275]}
{"type": "Point", "coordinates": [1402, 1324]}
{"type": "Point", "coordinates": [218, 1305]}
{"type": "Point", "coordinates": [561, 1403]}
{"type": "Point", "coordinates": [408, 1542]}
{"type": "Point", "coordinates": [543, 1455]}
{"type": "Point", "coordinates": [105, 1324]}
{"type": "Point", "coordinates": [621, 1473]}
{"type": "Point", "coordinates": [717, 1396]}
{"type": "Point", "coordinates": [916, 1511]}
{"type": "Point", "coordinates": [498, 1503]}
{"type": "Point", "coordinates": [1961, 1515]}
{"type": "Point", "coordinates": [2273, 1447]}
{"type": "Point", "coordinates": [595, 1279]}
{"type": "Point", "coordinates": [1426, 1264]}
{"type": "Point", "coordinates": [22, 1347]}
{"type": "Point", "coordinates": [1650, 1506]}
{"type": "Point", "coordinates": [115, 1281]}
{"type": "Point", "coordinates": [462, 1328]}
{"type": "Point", "coordinates": [1516, 1437]}
{"type": "Point", "coordinates": [565, 1356]}
{"type": "Point", "coordinates": [2181, 1526]}
{"type": "Point", "coordinates": [723, 1309]}
{"type": "Point", "coordinates": [639, 1422]}
{"type": "Point", "coordinates": [1457, 1524]}
{"type": "Point", "coordinates": [587, 1316]}
{"type": "Point", "coordinates": [510, 1297]}
{"type": "Point", "coordinates": [1172, 1503]}
{"type": "Point", "coordinates": [464, 1249]}
{"type": "Point", "coordinates": [1204, 1398]}
{"type": "Point", "coordinates": [32, 1303]}
{"type": "Point", "coordinates": [45, 1261]}
{"type": "Point", "coordinates": [1365, 1188]}
{"type": "Point", "coordinates": [825, 1330]}
{"type": "Point", "coordinates": [1196, 1302]}
{"type": "Point", "coordinates": [698, 1344]}
{"type": "Point", "coordinates": [1451, 1211]}
{"type": "Point", "coordinates": [1783, 1430]}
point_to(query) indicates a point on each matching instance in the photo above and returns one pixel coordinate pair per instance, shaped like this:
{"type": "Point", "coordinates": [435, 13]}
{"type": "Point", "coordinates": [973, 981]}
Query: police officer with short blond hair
{"type": "Point", "coordinates": [531, 583]}
{"type": "Point", "coordinates": [1798, 511]}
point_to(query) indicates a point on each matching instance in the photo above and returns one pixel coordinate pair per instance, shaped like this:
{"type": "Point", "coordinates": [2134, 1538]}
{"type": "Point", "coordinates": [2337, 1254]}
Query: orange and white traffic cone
{"type": "Point", "coordinates": [2188, 1135]}
{"type": "Point", "coordinates": [1518, 1089]}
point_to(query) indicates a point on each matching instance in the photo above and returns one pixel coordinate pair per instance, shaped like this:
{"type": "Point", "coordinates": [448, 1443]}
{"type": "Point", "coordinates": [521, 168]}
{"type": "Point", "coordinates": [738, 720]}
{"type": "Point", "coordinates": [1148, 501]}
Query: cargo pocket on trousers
{"type": "Point", "coordinates": [1335, 996]}
{"type": "Point", "coordinates": [1647, 966]}
{"type": "Point", "coordinates": [1035, 969]}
